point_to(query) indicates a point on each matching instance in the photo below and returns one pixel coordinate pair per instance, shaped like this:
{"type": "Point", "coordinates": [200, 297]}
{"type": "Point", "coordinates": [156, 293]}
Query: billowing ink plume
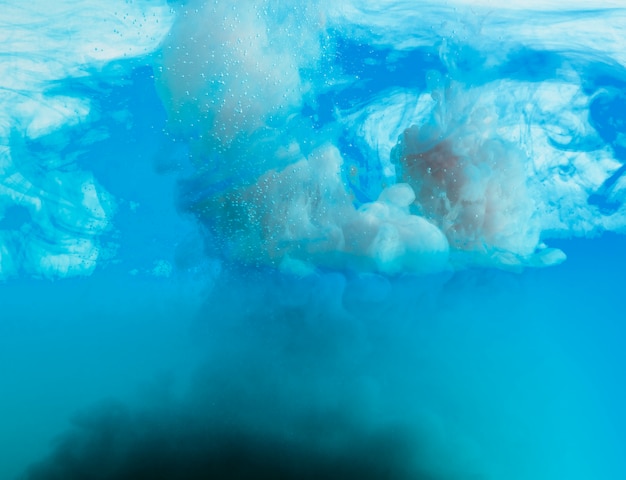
{"type": "Point", "coordinates": [455, 158]}
{"type": "Point", "coordinates": [314, 226]}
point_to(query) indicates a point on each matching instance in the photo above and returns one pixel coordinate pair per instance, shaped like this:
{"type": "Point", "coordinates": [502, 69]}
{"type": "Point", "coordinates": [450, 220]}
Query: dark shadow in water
{"type": "Point", "coordinates": [298, 382]}
{"type": "Point", "coordinates": [112, 442]}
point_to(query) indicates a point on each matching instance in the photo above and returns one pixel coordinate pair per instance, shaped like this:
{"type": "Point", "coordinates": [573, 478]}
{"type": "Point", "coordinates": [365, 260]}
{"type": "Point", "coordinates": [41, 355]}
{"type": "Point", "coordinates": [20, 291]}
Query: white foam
{"type": "Point", "coordinates": [482, 25]}
{"type": "Point", "coordinates": [43, 44]}
{"type": "Point", "coordinates": [229, 68]}
{"type": "Point", "coordinates": [491, 158]}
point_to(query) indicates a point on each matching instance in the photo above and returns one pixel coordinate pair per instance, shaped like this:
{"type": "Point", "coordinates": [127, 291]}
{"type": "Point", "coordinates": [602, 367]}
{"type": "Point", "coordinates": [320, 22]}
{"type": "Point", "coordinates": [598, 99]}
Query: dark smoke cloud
{"type": "Point", "coordinates": [298, 383]}
{"type": "Point", "coordinates": [112, 442]}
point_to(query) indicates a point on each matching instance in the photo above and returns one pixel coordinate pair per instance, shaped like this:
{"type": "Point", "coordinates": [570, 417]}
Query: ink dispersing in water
{"type": "Point", "coordinates": [312, 239]}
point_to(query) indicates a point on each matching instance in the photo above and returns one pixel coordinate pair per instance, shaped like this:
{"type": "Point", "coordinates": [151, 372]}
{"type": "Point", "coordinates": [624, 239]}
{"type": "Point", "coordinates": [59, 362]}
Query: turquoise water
{"type": "Point", "coordinates": [312, 240]}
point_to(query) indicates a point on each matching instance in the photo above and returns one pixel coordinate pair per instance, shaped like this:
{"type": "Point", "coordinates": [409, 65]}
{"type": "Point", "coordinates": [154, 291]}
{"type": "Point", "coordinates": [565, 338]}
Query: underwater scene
{"type": "Point", "coordinates": [312, 239]}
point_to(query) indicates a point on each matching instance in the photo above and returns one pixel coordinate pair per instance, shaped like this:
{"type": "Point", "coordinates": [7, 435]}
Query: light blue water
{"type": "Point", "coordinates": [312, 240]}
